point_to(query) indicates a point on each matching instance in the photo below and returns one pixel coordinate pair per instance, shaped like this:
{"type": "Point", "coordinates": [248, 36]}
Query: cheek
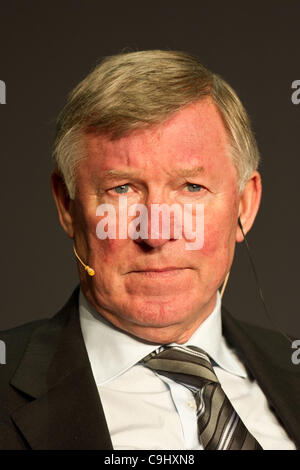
{"type": "Point", "coordinates": [220, 229]}
{"type": "Point", "coordinates": [211, 242]}
{"type": "Point", "coordinates": [111, 254]}
{"type": "Point", "coordinates": [217, 240]}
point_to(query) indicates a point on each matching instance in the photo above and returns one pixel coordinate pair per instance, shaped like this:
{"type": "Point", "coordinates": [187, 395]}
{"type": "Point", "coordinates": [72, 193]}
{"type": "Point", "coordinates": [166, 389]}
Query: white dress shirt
{"type": "Point", "coordinates": [145, 410]}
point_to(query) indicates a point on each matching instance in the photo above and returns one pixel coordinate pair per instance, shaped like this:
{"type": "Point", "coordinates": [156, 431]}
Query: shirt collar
{"type": "Point", "coordinates": [112, 351]}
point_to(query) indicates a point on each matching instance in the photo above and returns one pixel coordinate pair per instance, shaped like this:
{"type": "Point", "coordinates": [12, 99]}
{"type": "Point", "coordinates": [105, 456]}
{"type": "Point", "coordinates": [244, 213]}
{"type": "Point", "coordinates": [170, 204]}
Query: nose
{"type": "Point", "coordinates": [153, 241]}
{"type": "Point", "coordinates": [159, 224]}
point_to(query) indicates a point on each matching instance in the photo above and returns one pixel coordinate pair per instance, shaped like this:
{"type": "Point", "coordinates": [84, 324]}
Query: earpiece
{"type": "Point", "coordinates": [240, 225]}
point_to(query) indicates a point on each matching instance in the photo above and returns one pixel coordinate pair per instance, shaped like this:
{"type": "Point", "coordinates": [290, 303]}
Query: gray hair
{"type": "Point", "coordinates": [138, 89]}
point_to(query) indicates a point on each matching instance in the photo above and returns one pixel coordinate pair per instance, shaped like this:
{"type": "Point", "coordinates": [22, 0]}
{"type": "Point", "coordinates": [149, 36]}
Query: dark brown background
{"type": "Point", "coordinates": [47, 47]}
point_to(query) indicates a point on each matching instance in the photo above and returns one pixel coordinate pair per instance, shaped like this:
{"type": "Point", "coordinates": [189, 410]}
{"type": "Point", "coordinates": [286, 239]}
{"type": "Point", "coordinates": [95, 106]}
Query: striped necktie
{"type": "Point", "coordinates": [219, 425]}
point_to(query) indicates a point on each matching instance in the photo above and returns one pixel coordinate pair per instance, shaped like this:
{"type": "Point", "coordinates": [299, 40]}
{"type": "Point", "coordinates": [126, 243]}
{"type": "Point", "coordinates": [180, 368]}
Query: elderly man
{"type": "Point", "coordinates": [143, 355]}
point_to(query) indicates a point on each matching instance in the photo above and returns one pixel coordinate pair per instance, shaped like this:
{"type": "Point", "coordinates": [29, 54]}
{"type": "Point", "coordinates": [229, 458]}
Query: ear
{"type": "Point", "coordinates": [249, 204]}
{"type": "Point", "coordinates": [63, 203]}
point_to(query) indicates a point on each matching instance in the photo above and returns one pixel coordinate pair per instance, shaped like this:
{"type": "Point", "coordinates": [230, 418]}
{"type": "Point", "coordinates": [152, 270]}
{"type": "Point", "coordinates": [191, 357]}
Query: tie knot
{"type": "Point", "coordinates": [185, 364]}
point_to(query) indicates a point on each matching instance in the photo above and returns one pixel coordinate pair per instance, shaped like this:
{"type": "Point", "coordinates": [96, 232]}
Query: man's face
{"type": "Point", "coordinates": [168, 305]}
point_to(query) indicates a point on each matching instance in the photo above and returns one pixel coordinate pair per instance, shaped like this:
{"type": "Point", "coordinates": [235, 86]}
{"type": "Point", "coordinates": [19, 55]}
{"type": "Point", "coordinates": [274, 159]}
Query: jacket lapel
{"type": "Point", "coordinates": [65, 411]}
{"type": "Point", "coordinates": [267, 356]}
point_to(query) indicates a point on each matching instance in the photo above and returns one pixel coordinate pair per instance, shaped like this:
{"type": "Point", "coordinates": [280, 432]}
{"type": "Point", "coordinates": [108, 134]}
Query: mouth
{"type": "Point", "coordinates": [157, 269]}
{"type": "Point", "coordinates": [159, 272]}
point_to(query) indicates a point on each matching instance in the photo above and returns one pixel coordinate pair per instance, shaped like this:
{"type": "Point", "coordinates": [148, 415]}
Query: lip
{"type": "Point", "coordinates": [158, 270]}
{"type": "Point", "coordinates": [170, 272]}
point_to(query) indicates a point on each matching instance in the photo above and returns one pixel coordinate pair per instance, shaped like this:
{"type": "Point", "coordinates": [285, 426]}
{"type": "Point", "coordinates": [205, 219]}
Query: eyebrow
{"type": "Point", "coordinates": [187, 172]}
{"type": "Point", "coordinates": [183, 172]}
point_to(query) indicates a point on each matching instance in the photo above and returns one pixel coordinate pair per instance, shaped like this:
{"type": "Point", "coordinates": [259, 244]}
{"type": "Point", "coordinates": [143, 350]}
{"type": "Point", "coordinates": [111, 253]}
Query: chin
{"type": "Point", "coordinates": [158, 315]}
{"type": "Point", "coordinates": [161, 332]}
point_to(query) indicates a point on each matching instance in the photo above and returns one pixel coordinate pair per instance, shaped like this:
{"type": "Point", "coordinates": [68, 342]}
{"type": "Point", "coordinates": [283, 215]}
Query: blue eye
{"type": "Point", "coordinates": [194, 187]}
{"type": "Point", "coordinates": [123, 188]}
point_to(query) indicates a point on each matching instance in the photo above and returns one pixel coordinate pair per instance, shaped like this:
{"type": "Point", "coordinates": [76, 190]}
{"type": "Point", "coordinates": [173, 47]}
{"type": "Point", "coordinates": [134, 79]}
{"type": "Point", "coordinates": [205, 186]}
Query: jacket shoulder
{"type": "Point", "coordinates": [16, 340]}
{"type": "Point", "coordinates": [14, 343]}
{"type": "Point", "coordinates": [263, 343]}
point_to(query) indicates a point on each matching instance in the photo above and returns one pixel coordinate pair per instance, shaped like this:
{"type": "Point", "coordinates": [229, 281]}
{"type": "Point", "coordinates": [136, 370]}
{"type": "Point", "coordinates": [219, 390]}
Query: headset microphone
{"type": "Point", "coordinates": [88, 269]}
{"type": "Point", "coordinates": [258, 284]}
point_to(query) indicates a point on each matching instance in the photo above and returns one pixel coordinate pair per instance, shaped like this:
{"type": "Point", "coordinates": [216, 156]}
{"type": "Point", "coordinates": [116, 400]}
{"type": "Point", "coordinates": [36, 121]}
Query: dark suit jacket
{"type": "Point", "coordinates": [49, 400]}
